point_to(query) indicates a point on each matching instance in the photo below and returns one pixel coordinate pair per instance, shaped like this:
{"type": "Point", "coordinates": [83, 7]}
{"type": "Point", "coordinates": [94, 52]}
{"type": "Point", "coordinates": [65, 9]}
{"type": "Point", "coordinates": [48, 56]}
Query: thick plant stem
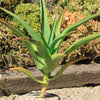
{"type": "Point", "coordinates": [43, 91]}
{"type": "Point", "coordinates": [44, 87]}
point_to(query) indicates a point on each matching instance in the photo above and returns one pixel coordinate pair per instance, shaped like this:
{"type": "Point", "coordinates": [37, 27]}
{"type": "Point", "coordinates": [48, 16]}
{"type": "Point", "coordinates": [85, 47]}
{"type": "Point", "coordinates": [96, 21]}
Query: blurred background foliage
{"type": "Point", "coordinates": [86, 7]}
{"type": "Point", "coordinates": [15, 53]}
{"type": "Point", "coordinates": [9, 5]}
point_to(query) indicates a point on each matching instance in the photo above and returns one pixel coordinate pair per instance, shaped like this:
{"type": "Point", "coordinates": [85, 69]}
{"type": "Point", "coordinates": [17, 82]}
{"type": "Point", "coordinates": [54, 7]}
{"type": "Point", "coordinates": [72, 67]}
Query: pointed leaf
{"type": "Point", "coordinates": [32, 49]}
{"type": "Point", "coordinates": [36, 46]}
{"type": "Point", "coordinates": [57, 57]}
{"type": "Point", "coordinates": [45, 24]}
{"type": "Point", "coordinates": [81, 42]}
{"type": "Point", "coordinates": [42, 50]}
{"type": "Point", "coordinates": [28, 44]}
{"type": "Point", "coordinates": [62, 69]}
{"type": "Point", "coordinates": [52, 62]}
{"type": "Point", "coordinates": [32, 45]}
{"type": "Point", "coordinates": [28, 73]}
{"type": "Point", "coordinates": [52, 34]}
{"type": "Point", "coordinates": [27, 27]}
{"type": "Point", "coordinates": [54, 42]}
{"type": "Point", "coordinates": [77, 24]}
{"type": "Point", "coordinates": [72, 27]}
{"type": "Point", "coordinates": [17, 31]}
{"type": "Point", "coordinates": [58, 25]}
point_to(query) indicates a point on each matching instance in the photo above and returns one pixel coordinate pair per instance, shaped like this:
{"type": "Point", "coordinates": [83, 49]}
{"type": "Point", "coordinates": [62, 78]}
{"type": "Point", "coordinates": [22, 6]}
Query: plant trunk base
{"type": "Point", "coordinates": [43, 92]}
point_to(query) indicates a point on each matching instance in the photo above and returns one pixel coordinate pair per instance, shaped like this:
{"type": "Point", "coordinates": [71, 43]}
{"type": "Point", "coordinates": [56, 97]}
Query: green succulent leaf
{"type": "Point", "coordinates": [42, 50]}
{"type": "Point", "coordinates": [32, 50]}
{"type": "Point", "coordinates": [57, 57]}
{"type": "Point", "coordinates": [39, 48]}
{"type": "Point", "coordinates": [36, 48]}
{"type": "Point", "coordinates": [45, 34]}
{"type": "Point", "coordinates": [16, 30]}
{"type": "Point", "coordinates": [52, 34]}
{"type": "Point", "coordinates": [77, 24]}
{"type": "Point", "coordinates": [27, 27]}
{"type": "Point", "coordinates": [72, 27]}
{"type": "Point", "coordinates": [81, 42]}
{"type": "Point", "coordinates": [62, 69]}
{"type": "Point", "coordinates": [52, 62]}
{"type": "Point", "coordinates": [53, 43]}
{"type": "Point", "coordinates": [58, 28]}
{"type": "Point", "coordinates": [28, 73]}
{"type": "Point", "coordinates": [31, 47]}
{"type": "Point", "coordinates": [58, 25]}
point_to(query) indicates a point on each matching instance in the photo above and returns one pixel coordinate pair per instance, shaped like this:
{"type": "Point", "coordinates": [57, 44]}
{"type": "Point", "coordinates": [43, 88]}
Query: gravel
{"type": "Point", "coordinates": [75, 93]}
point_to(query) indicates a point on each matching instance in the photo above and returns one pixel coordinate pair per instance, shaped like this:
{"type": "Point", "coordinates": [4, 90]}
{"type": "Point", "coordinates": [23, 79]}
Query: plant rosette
{"type": "Point", "coordinates": [44, 48]}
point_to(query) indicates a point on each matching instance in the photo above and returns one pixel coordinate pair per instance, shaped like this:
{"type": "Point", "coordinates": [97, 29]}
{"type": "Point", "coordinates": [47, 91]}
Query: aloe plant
{"type": "Point", "coordinates": [44, 48]}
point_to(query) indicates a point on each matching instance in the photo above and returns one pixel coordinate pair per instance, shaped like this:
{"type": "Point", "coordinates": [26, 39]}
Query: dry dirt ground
{"type": "Point", "coordinates": [75, 93]}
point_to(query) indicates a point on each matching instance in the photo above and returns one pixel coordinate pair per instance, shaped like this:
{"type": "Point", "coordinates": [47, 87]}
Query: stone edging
{"type": "Point", "coordinates": [74, 75]}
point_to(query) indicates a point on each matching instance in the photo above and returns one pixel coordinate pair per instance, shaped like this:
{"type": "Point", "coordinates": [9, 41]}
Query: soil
{"type": "Point", "coordinates": [75, 93]}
